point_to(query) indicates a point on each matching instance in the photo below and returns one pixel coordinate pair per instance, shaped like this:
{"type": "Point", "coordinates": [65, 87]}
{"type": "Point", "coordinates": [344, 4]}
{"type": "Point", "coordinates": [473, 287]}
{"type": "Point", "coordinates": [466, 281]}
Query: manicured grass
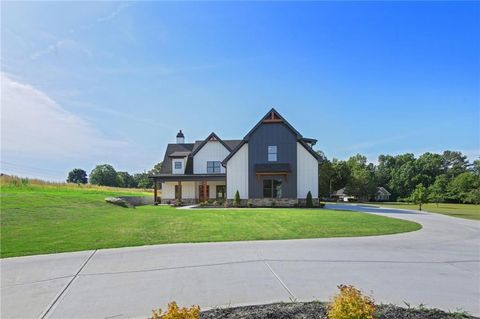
{"type": "Point", "coordinates": [468, 211]}
{"type": "Point", "coordinates": [38, 220]}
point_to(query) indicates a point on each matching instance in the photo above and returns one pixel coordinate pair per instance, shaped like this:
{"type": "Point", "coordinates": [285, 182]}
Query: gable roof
{"type": "Point", "coordinates": [273, 116]}
{"type": "Point", "coordinates": [186, 150]}
{"type": "Point", "coordinates": [383, 191]}
{"type": "Point", "coordinates": [211, 137]}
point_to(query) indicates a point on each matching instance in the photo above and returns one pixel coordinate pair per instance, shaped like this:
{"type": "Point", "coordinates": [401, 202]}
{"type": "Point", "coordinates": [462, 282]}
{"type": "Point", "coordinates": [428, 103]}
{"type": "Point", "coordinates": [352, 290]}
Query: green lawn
{"type": "Point", "coordinates": [38, 220]}
{"type": "Point", "coordinates": [468, 211]}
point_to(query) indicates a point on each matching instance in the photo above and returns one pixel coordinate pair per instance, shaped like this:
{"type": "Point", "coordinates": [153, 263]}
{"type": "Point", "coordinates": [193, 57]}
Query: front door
{"type": "Point", "coordinates": [203, 196]}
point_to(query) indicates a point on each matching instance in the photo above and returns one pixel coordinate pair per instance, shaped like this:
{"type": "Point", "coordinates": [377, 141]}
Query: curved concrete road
{"type": "Point", "coordinates": [438, 266]}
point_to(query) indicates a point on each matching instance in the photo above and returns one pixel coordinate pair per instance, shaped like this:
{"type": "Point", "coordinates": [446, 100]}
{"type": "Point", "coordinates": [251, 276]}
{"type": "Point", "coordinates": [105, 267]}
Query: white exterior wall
{"type": "Point", "coordinates": [188, 190]}
{"type": "Point", "coordinates": [307, 173]}
{"type": "Point", "coordinates": [211, 151]}
{"type": "Point", "coordinates": [237, 173]}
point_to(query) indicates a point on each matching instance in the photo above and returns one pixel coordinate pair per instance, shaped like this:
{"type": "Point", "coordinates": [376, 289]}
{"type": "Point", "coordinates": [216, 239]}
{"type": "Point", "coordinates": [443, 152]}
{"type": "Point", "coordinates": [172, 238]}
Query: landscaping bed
{"type": "Point", "coordinates": [318, 310]}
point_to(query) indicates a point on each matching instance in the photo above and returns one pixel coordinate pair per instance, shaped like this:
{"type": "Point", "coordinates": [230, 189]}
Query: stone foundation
{"type": "Point", "coordinates": [254, 202]}
{"type": "Point", "coordinates": [274, 202]}
{"type": "Point", "coordinates": [185, 201]}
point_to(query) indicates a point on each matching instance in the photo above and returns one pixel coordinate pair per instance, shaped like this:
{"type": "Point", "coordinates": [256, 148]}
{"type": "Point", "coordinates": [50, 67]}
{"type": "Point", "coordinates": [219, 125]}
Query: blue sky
{"type": "Point", "coordinates": [95, 82]}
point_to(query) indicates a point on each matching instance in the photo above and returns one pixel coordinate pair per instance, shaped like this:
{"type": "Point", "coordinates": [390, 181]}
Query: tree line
{"type": "Point", "coordinates": [446, 177]}
{"type": "Point", "coordinates": [106, 175]}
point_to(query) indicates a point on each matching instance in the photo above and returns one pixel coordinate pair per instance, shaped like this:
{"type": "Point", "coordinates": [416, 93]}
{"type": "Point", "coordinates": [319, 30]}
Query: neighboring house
{"type": "Point", "coordinates": [342, 195]}
{"type": "Point", "coordinates": [381, 194]}
{"type": "Point", "coordinates": [272, 163]}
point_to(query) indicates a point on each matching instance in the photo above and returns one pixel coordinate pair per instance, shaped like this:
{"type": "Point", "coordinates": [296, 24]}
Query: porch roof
{"type": "Point", "coordinates": [188, 177]}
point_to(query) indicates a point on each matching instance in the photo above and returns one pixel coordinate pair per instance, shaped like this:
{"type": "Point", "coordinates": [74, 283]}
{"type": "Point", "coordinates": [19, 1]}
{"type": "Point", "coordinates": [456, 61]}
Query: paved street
{"type": "Point", "coordinates": [438, 266]}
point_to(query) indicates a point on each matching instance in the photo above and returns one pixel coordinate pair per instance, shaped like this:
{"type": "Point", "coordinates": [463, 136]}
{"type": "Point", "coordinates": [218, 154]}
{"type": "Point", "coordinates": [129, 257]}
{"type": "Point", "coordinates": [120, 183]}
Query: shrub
{"type": "Point", "coordinates": [250, 203]}
{"type": "Point", "coordinates": [236, 199]}
{"type": "Point", "coordinates": [274, 203]}
{"type": "Point", "coordinates": [321, 205]}
{"type": "Point", "coordinates": [175, 312]}
{"type": "Point", "coordinates": [309, 200]}
{"type": "Point", "coordinates": [350, 303]}
{"type": "Point", "coordinates": [177, 203]}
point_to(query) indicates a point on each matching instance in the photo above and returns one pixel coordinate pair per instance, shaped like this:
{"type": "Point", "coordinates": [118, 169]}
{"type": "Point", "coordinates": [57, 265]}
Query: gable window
{"type": "Point", "coordinates": [213, 167]}
{"type": "Point", "coordinates": [272, 153]}
{"type": "Point", "coordinates": [178, 165]}
{"type": "Point", "coordinates": [272, 188]}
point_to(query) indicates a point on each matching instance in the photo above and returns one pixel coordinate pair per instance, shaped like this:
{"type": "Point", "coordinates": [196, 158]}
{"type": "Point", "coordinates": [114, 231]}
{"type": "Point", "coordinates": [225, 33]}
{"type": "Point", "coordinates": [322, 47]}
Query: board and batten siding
{"type": "Point", "coordinates": [237, 173]}
{"type": "Point", "coordinates": [307, 173]}
{"type": "Point", "coordinates": [211, 151]}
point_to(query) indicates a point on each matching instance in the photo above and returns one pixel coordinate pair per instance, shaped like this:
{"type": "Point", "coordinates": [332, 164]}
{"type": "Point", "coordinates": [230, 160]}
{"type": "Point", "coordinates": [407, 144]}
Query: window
{"type": "Point", "coordinates": [272, 188]}
{"type": "Point", "coordinates": [272, 153]}
{"type": "Point", "coordinates": [178, 165]}
{"type": "Point", "coordinates": [221, 190]}
{"type": "Point", "coordinates": [213, 167]}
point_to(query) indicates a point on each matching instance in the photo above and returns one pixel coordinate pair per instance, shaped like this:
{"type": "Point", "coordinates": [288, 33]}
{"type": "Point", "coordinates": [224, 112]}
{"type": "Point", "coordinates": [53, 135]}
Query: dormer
{"type": "Point", "coordinates": [179, 162]}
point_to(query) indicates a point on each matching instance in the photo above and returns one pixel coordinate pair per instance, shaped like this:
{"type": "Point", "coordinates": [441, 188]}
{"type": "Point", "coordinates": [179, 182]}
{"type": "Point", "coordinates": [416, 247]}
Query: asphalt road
{"type": "Point", "coordinates": [438, 266]}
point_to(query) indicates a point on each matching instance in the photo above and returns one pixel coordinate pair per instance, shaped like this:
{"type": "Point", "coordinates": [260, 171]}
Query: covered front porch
{"type": "Point", "coordinates": [190, 189]}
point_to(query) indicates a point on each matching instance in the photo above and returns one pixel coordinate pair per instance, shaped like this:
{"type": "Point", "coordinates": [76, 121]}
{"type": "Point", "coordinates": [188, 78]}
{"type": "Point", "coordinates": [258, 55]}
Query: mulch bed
{"type": "Point", "coordinates": [317, 310]}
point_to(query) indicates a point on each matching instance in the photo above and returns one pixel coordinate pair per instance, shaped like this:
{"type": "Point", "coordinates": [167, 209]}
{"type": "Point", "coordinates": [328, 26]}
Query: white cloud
{"type": "Point", "coordinates": [34, 126]}
{"type": "Point", "coordinates": [58, 46]}
{"type": "Point", "coordinates": [74, 45]}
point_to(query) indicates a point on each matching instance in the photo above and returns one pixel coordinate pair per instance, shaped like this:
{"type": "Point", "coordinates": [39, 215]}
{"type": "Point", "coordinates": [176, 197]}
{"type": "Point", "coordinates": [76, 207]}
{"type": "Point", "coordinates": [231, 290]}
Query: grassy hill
{"type": "Point", "coordinates": [39, 218]}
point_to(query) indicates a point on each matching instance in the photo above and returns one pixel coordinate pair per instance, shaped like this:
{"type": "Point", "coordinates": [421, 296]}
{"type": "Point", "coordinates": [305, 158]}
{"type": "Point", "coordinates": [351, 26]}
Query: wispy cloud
{"type": "Point", "coordinates": [36, 126]}
{"type": "Point", "coordinates": [61, 44]}
{"type": "Point", "coordinates": [68, 43]}
{"type": "Point", "coordinates": [129, 116]}
{"type": "Point", "coordinates": [115, 12]}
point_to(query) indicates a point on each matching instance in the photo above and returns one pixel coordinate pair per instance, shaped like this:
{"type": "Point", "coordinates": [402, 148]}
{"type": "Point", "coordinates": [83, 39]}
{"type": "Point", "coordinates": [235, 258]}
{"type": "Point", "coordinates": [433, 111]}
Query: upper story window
{"type": "Point", "coordinates": [178, 165]}
{"type": "Point", "coordinates": [213, 167]}
{"type": "Point", "coordinates": [272, 153]}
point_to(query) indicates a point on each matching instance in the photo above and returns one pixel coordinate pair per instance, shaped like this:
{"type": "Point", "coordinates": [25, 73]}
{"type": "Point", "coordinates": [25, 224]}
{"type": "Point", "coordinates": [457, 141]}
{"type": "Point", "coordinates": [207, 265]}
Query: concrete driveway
{"type": "Point", "coordinates": [438, 266]}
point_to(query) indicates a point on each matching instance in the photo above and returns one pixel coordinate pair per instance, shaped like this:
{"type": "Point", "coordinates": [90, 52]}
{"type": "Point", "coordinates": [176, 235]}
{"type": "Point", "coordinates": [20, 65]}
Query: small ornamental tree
{"type": "Point", "coordinates": [419, 196]}
{"type": "Point", "coordinates": [309, 200]}
{"type": "Point", "coordinates": [438, 190]}
{"type": "Point", "coordinates": [78, 176]}
{"type": "Point", "coordinates": [236, 199]}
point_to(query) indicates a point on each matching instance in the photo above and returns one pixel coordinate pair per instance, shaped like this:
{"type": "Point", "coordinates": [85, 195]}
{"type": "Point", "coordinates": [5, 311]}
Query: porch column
{"type": "Point", "coordinates": [179, 190]}
{"type": "Point", "coordinates": [204, 183]}
{"type": "Point", "coordinates": [155, 192]}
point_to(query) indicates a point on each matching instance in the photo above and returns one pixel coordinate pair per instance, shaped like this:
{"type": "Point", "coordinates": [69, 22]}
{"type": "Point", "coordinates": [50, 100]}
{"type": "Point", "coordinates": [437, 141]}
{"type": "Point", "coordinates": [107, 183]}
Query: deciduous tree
{"type": "Point", "coordinates": [78, 176]}
{"type": "Point", "coordinates": [419, 196]}
{"type": "Point", "coordinates": [104, 175]}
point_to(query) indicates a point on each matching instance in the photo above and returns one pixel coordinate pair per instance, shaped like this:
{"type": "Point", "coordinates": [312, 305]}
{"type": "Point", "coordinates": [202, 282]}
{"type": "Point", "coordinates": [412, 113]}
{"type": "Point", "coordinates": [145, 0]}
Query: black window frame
{"type": "Point", "coordinates": [270, 188]}
{"type": "Point", "coordinates": [214, 167]}
{"type": "Point", "coordinates": [224, 192]}
{"type": "Point", "coordinates": [275, 153]}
